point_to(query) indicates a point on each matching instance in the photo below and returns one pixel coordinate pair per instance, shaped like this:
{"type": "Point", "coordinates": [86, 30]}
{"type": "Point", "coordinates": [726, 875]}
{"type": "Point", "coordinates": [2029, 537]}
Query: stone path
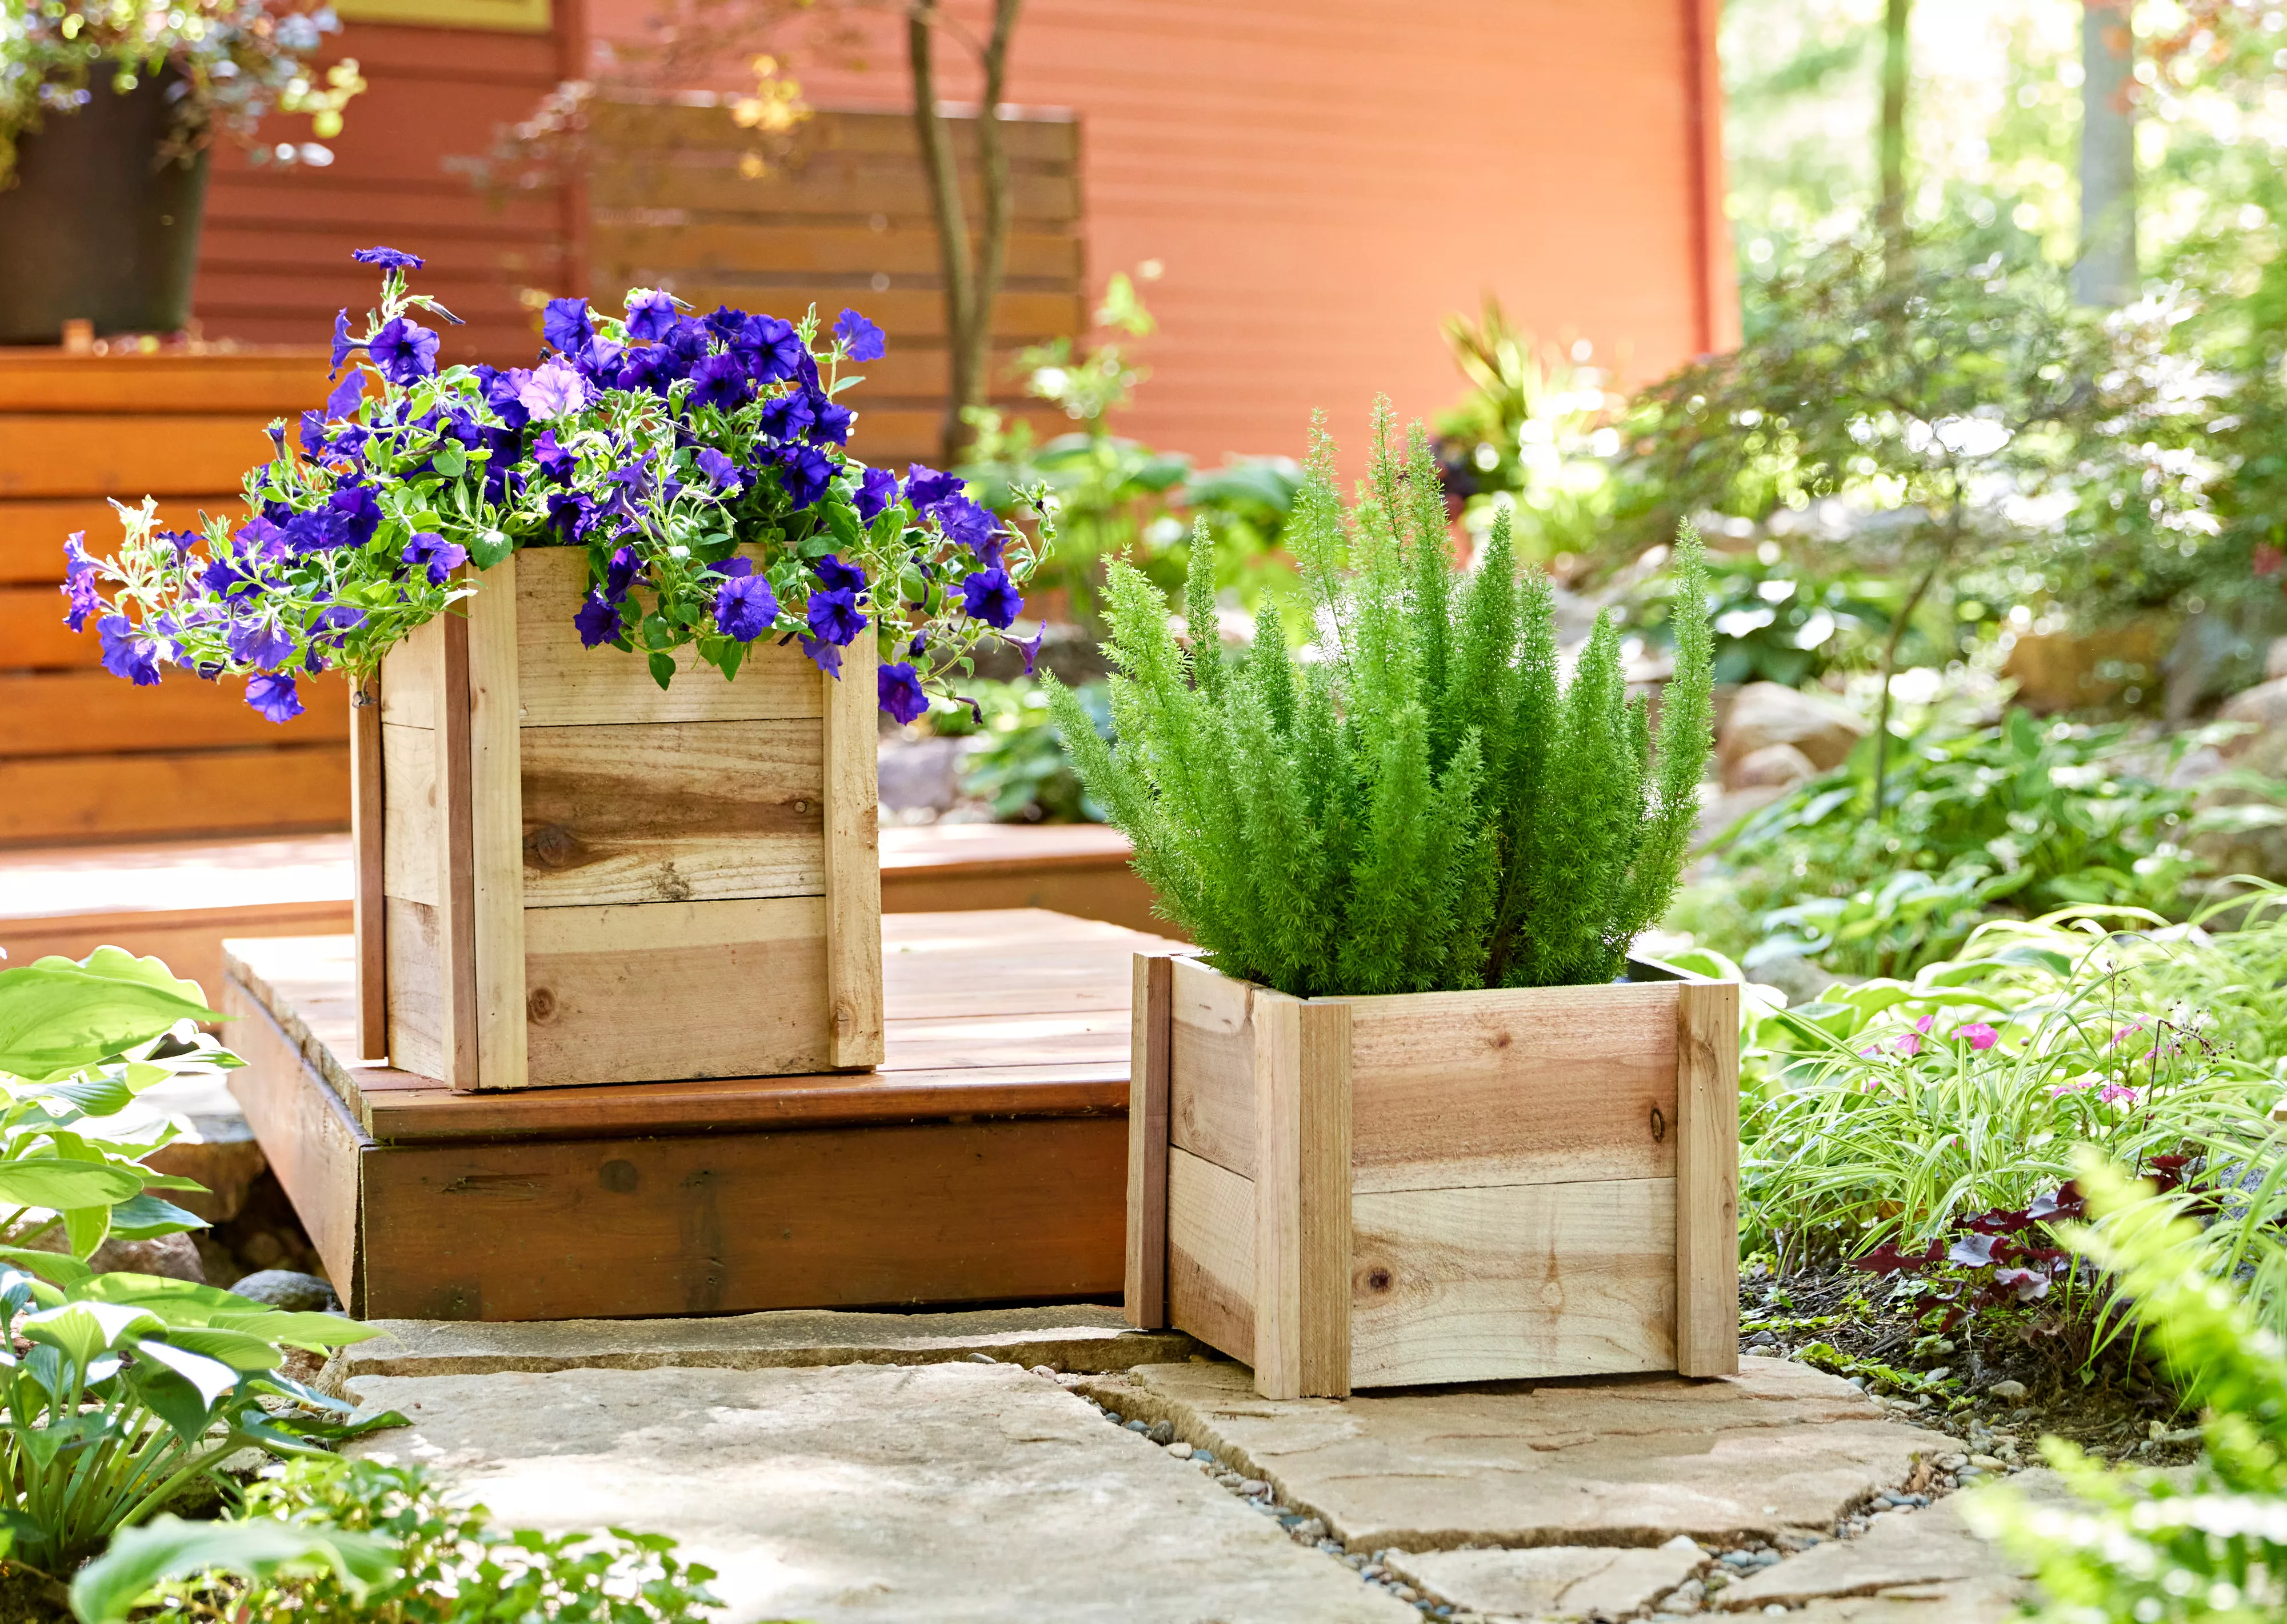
{"type": "Point", "coordinates": [953, 1487]}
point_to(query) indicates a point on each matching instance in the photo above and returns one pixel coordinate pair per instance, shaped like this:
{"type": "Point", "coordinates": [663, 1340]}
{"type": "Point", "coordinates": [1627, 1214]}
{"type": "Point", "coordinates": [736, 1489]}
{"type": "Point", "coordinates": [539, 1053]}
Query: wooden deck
{"type": "Point", "coordinates": [984, 1162]}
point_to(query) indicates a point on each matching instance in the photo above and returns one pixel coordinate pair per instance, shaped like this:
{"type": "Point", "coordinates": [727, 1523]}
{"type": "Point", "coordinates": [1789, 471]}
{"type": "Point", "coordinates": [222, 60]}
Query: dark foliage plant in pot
{"type": "Point", "coordinates": [108, 111]}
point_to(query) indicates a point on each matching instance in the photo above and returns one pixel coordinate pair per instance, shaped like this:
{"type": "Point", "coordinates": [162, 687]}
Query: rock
{"type": "Point", "coordinates": [299, 1293]}
{"type": "Point", "coordinates": [1775, 765]}
{"type": "Point", "coordinates": [2008, 1392]}
{"type": "Point", "coordinates": [1720, 813]}
{"type": "Point", "coordinates": [1798, 977]}
{"type": "Point", "coordinates": [1560, 1581]}
{"type": "Point", "coordinates": [1822, 729]}
{"type": "Point", "coordinates": [174, 1257]}
{"type": "Point", "coordinates": [1634, 1461]}
{"type": "Point", "coordinates": [949, 1491]}
{"type": "Point", "coordinates": [224, 1157]}
{"type": "Point", "coordinates": [920, 774]}
{"type": "Point", "coordinates": [2076, 670]}
{"type": "Point", "coordinates": [2257, 850]}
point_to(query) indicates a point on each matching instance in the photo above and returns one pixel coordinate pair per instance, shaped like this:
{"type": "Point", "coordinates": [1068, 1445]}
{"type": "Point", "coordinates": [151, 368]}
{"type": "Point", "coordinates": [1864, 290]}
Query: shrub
{"type": "Point", "coordinates": [1424, 805]}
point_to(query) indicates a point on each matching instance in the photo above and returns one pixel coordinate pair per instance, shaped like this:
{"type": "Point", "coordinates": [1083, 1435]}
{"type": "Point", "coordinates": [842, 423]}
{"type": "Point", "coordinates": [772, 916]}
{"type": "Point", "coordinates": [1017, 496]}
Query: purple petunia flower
{"type": "Point", "coordinates": [721, 382]}
{"type": "Point", "coordinates": [965, 524]}
{"type": "Point", "coordinates": [786, 416]}
{"type": "Point", "coordinates": [440, 557]}
{"type": "Point", "coordinates": [745, 607]}
{"type": "Point", "coordinates": [311, 533]}
{"type": "Point", "coordinates": [1030, 648]}
{"type": "Point", "coordinates": [837, 576]}
{"type": "Point", "coordinates": [834, 617]}
{"type": "Point", "coordinates": [343, 344]}
{"type": "Point", "coordinates": [773, 350]}
{"type": "Point", "coordinates": [598, 621]}
{"type": "Point", "coordinates": [129, 652]}
{"type": "Point", "coordinates": [553, 389]}
{"type": "Point", "coordinates": [620, 574]}
{"type": "Point", "coordinates": [925, 487]}
{"type": "Point", "coordinates": [989, 596]}
{"type": "Point", "coordinates": [877, 489]}
{"type": "Point", "coordinates": [259, 643]}
{"type": "Point", "coordinates": [650, 314]}
{"type": "Point", "coordinates": [808, 472]}
{"type": "Point", "coordinates": [567, 324]}
{"type": "Point", "coordinates": [824, 655]}
{"type": "Point", "coordinates": [336, 623]}
{"type": "Point", "coordinates": [900, 693]}
{"type": "Point", "coordinates": [273, 696]}
{"type": "Point", "coordinates": [347, 396]}
{"type": "Point", "coordinates": [726, 474]}
{"type": "Point", "coordinates": [80, 600]}
{"type": "Point", "coordinates": [651, 368]}
{"type": "Point", "coordinates": [555, 461]}
{"type": "Point", "coordinates": [861, 340]}
{"type": "Point", "coordinates": [388, 258]}
{"type": "Point", "coordinates": [572, 514]}
{"type": "Point", "coordinates": [355, 514]}
{"type": "Point", "coordinates": [404, 351]}
{"type": "Point", "coordinates": [598, 360]}
{"type": "Point", "coordinates": [829, 424]}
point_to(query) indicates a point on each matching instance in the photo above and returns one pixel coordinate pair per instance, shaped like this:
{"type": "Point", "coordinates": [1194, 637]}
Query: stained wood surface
{"type": "Point", "coordinates": [149, 795]}
{"type": "Point", "coordinates": [1211, 1086]}
{"type": "Point", "coordinates": [853, 870]}
{"type": "Point", "coordinates": [1524, 1085]}
{"type": "Point", "coordinates": [92, 712]}
{"type": "Point", "coordinates": [1707, 1179]}
{"type": "Point", "coordinates": [1211, 1267]}
{"type": "Point", "coordinates": [1512, 1282]}
{"type": "Point", "coordinates": [1019, 1057]}
{"type": "Point", "coordinates": [311, 1145]}
{"type": "Point", "coordinates": [497, 852]}
{"type": "Point", "coordinates": [1145, 1293]}
{"type": "Point", "coordinates": [370, 857]}
{"type": "Point", "coordinates": [1302, 1196]}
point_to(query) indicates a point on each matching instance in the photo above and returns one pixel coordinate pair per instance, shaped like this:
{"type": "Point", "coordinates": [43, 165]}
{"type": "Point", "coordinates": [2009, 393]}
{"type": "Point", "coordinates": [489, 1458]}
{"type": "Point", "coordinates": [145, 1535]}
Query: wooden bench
{"type": "Point", "coordinates": [984, 1162]}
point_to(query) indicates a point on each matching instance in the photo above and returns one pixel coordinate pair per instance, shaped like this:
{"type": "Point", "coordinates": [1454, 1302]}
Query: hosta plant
{"type": "Point", "coordinates": [1420, 802]}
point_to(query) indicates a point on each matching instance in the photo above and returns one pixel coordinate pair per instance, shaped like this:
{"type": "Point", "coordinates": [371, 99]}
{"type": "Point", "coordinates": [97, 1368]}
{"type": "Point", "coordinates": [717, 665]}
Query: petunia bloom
{"type": "Point", "coordinates": [553, 389]}
{"type": "Point", "coordinates": [273, 696]}
{"type": "Point", "coordinates": [773, 351]}
{"type": "Point", "coordinates": [1030, 648]}
{"type": "Point", "coordinates": [989, 596]}
{"type": "Point", "coordinates": [567, 325]}
{"type": "Point", "coordinates": [598, 621]}
{"type": "Point", "coordinates": [925, 487]}
{"type": "Point", "coordinates": [745, 608]}
{"type": "Point", "coordinates": [900, 693]}
{"type": "Point", "coordinates": [721, 471]}
{"type": "Point", "coordinates": [651, 314]}
{"type": "Point", "coordinates": [834, 617]}
{"type": "Point", "coordinates": [824, 655]}
{"type": "Point", "coordinates": [388, 258]}
{"type": "Point", "coordinates": [343, 344]}
{"type": "Point", "coordinates": [786, 416]}
{"type": "Point", "coordinates": [343, 402]}
{"type": "Point", "coordinates": [829, 424]}
{"type": "Point", "coordinates": [837, 576]}
{"type": "Point", "coordinates": [260, 643]}
{"type": "Point", "coordinates": [966, 524]}
{"type": "Point", "coordinates": [808, 472]}
{"type": "Point", "coordinates": [620, 574]}
{"type": "Point", "coordinates": [877, 489]}
{"type": "Point", "coordinates": [428, 549]}
{"type": "Point", "coordinates": [721, 382]}
{"type": "Point", "coordinates": [404, 351]}
{"type": "Point", "coordinates": [861, 340]}
{"type": "Point", "coordinates": [557, 461]}
{"type": "Point", "coordinates": [129, 652]}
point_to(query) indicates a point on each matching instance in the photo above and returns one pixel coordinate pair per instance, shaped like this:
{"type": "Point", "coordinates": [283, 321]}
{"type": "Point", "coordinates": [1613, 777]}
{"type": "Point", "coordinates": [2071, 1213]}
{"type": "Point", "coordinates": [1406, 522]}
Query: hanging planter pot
{"type": "Point", "coordinates": [98, 228]}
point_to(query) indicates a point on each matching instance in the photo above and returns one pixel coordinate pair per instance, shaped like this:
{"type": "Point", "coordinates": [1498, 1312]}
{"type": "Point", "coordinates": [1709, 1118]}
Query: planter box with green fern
{"type": "Point", "coordinates": [1416, 1116]}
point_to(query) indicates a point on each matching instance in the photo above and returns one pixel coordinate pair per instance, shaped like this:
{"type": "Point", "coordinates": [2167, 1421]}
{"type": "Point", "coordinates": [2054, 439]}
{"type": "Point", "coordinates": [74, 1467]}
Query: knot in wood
{"type": "Point", "coordinates": [540, 1003]}
{"type": "Point", "coordinates": [1378, 1279]}
{"type": "Point", "coordinates": [1658, 1124]}
{"type": "Point", "coordinates": [552, 846]}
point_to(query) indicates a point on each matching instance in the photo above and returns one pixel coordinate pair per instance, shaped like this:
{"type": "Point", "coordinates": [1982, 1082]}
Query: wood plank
{"type": "Point", "coordinates": [34, 637]}
{"type": "Point", "coordinates": [561, 683]}
{"type": "Point", "coordinates": [656, 1226]}
{"type": "Point", "coordinates": [412, 677]}
{"type": "Point", "coordinates": [496, 833]}
{"type": "Point", "coordinates": [1145, 1296]}
{"type": "Point", "coordinates": [1211, 1271]}
{"type": "Point", "coordinates": [688, 812]}
{"type": "Point", "coordinates": [1032, 136]}
{"type": "Point", "coordinates": [1707, 1179]}
{"type": "Point", "coordinates": [1302, 1197]}
{"type": "Point", "coordinates": [411, 835]}
{"type": "Point", "coordinates": [853, 863]}
{"type": "Point", "coordinates": [312, 1146]}
{"type": "Point", "coordinates": [32, 532]}
{"type": "Point", "coordinates": [456, 860]}
{"type": "Point", "coordinates": [1211, 1072]}
{"type": "Point", "coordinates": [92, 712]}
{"type": "Point", "coordinates": [53, 799]}
{"type": "Point", "coordinates": [903, 312]}
{"type": "Point", "coordinates": [1520, 1086]}
{"type": "Point", "coordinates": [851, 189]}
{"type": "Point", "coordinates": [667, 990]}
{"type": "Point", "coordinates": [1508, 1283]}
{"type": "Point", "coordinates": [414, 970]}
{"type": "Point", "coordinates": [261, 384]}
{"type": "Point", "coordinates": [622, 254]}
{"type": "Point", "coordinates": [370, 825]}
{"type": "Point", "coordinates": [92, 454]}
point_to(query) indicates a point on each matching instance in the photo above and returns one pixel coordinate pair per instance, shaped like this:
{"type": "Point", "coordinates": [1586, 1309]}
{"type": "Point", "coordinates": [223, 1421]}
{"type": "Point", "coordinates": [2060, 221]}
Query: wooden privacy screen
{"type": "Point", "coordinates": [82, 754]}
{"type": "Point", "coordinates": [843, 220]}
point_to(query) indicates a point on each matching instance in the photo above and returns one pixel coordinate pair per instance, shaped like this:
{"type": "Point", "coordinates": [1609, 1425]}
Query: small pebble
{"type": "Point", "coordinates": [1253, 1487]}
{"type": "Point", "coordinates": [1162, 1433]}
{"type": "Point", "coordinates": [1112, 1414]}
{"type": "Point", "coordinates": [1049, 1371]}
{"type": "Point", "coordinates": [1180, 1450]}
{"type": "Point", "coordinates": [982, 1358]}
{"type": "Point", "coordinates": [1986, 1462]}
{"type": "Point", "coordinates": [1137, 1426]}
{"type": "Point", "coordinates": [2012, 1392]}
{"type": "Point", "coordinates": [1309, 1528]}
{"type": "Point", "coordinates": [1202, 1454]}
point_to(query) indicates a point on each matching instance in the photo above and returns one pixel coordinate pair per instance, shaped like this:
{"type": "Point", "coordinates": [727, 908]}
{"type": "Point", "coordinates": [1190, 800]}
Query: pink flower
{"type": "Point", "coordinates": [1911, 1044]}
{"type": "Point", "coordinates": [1977, 1035]}
{"type": "Point", "coordinates": [2117, 1094]}
{"type": "Point", "coordinates": [2062, 1089]}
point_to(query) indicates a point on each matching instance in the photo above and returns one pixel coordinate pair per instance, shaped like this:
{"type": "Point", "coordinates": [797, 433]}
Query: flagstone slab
{"type": "Point", "coordinates": [1551, 1581]}
{"type": "Point", "coordinates": [940, 1492]}
{"type": "Point", "coordinates": [1625, 1460]}
{"type": "Point", "coordinates": [1080, 1336]}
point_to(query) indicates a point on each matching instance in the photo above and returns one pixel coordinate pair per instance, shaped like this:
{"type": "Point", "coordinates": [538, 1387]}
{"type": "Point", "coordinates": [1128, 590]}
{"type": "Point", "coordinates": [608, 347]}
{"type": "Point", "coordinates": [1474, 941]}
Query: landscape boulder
{"type": "Point", "coordinates": [1822, 729]}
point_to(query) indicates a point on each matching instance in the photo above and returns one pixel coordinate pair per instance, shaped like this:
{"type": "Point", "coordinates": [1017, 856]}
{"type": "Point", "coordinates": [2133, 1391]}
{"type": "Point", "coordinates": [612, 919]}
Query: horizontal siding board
{"type": "Point", "coordinates": [53, 800]}
{"type": "Point", "coordinates": [80, 713]}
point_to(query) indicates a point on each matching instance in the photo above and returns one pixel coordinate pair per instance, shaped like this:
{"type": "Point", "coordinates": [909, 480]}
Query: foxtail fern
{"type": "Point", "coordinates": [1422, 806]}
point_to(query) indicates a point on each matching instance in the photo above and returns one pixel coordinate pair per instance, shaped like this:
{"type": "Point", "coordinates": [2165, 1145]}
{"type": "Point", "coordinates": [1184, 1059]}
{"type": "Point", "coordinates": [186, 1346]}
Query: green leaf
{"type": "Point", "coordinates": [53, 1268]}
{"type": "Point", "coordinates": [62, 1185]}
{"type": "Point", "coordinates": [79, 1331]}
{"type": "Point", "coordinates": [451, 459]}
{"type": "Point", "coordinates": [145, 1216]}
{"type": "Point", "coordinates": [662, 668]}
{"type": "Point", "coordinates": [489, 547]}
{"type": "Point", "coordinates": [107, 1589]}
{"type": "Point", "coordinates": [85, 1228]}
{"type": "Point", "coordinates": [57, 1016]}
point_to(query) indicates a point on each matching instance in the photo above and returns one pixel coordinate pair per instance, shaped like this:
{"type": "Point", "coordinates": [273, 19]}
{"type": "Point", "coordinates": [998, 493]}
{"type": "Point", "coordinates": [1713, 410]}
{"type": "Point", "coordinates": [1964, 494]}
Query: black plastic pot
{"type": "Point", "coordinates": [96, 227]}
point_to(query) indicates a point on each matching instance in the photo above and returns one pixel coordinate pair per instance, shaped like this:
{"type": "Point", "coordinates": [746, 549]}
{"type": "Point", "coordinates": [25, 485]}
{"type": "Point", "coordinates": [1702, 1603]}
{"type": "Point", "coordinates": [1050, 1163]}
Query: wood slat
{"type": "Point", "coordinates": [60, 798]}
{"type": "Point", "coordinates": [1707, 1179]}
{"type": "Point", "coordinates": [907, 314]}
{"type": "Point", "coordinates": [1513, 1282]}
{"type": "Point", "coordinates": [1302, 1197]}
{"type": "Point", "coordinates": [1211, 1086]}
{"type": "Point", "coordinates": [311, 1145]}
{"type": "Point", "coordinates": [410, 839]}
{"type": "Point", "coordinates": [412, 968]}
{"type": "Point", "coordinates": [1146, 1295]}
{"type": "Point", "coordinates": [371, 869]}
{"type": "Point", "coordinates": [113, 455]}
{"type": "Point", "coordinates": [853, 863]}
{"type": "Point", "coordinates": [852, 189]}
{"type": "Point", "coordinates": [92, 712]}
{"type": "Point", "coordinates": [697, 811]}
{"type": "Point", "coordinates": [32, 532]}
{"type": "Point", "coordinates": [260, 385]}
{"type": "Point", "coordinates": [1031, 136]}
{"type": "Point", "coordinates": [496, 834]}
{"type": "Point", "coordinates": [1517, 1086]}
{"type": "Point", "coordinates": [628, 255]}
{"type": "Point", "coordinates": [34, 637]}
{"type": "Point", "coordinates": [456, 964]}
{"type": "Point", "coordinates": [1211, 1270]}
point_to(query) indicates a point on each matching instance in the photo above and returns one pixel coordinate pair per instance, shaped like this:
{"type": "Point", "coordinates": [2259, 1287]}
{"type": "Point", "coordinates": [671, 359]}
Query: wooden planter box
{"type": "Point", "coordinates": [1353, 1192]}
{"type": "Point", "coordinates": [568, 875]}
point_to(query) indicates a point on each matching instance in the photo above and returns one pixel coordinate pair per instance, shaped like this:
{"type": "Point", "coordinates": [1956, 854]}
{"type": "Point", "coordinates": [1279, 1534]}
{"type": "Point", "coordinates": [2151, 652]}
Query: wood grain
{"type": "Point", "coordinates": [92, 712]}
{"type": "Point", "coordinates": [1302, 1197]}
{"type": "Point", "coordinates": [1145, 1296]}
{"type": "Point", "coordinates": [369, 822]}
{"type": "Point", "coordinates": [456, 879]}
{"type": "Point", "coordinates": [853, 863]}
{"type": "Point", "coordinates": [412, 836]}
{"type": "Point", "coordinates": [1707, 1179]}
{"type": "Point", "coordinates": [170, 453]}
{"type": "Point", "coordinates": [1524, 1085]}
{"type": "Point", "coordinates": [32, 532]}
{"type": "Point", "coordinates": [836, 1218]}
{"type": "Point", "coordinates": [51, 800]}
{"type": "Point", "coordinates": [1211, 1271]}
{"type": "Point", "coordinates": [411, 673]}
{"type": "Point", "coordinates": [1494, 1284]}
{"type": "Point", "coordinates": [1211, 1076]}
{"type": "Point", "coordinates": [664, 990]}
{"type": "Point", "coordinates": [496, 832]}
{"type": "Point", "coordinates": [414, 965]}
{"type": "Point", "coordinates": [694, 812]}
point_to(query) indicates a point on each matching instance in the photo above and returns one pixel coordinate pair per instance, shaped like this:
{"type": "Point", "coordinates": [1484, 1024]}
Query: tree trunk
{"type": "Point", "coordinates": [2105, 274]}
{"type": "Point", "coordinates": [1890, 202]}
{"type": "Point", "coordinates": [972, 271]}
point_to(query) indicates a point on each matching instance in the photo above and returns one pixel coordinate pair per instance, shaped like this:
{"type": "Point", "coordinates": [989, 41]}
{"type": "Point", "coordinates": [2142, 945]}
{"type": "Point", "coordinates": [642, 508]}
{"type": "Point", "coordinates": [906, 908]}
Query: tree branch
{"type": "Point", "coordinates": [951, 226]}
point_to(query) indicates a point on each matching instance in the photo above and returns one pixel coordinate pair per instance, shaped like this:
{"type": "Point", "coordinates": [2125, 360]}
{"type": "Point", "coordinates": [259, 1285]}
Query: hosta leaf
{"type": "Point", "coordinates": [60, 1184]}
{"type": "Point", "coordinates": [143, 1216]}
{"type": "Point", "coordinates": [106, 1591]}
{"type": "Point", "coordinates": [57, 1016]}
